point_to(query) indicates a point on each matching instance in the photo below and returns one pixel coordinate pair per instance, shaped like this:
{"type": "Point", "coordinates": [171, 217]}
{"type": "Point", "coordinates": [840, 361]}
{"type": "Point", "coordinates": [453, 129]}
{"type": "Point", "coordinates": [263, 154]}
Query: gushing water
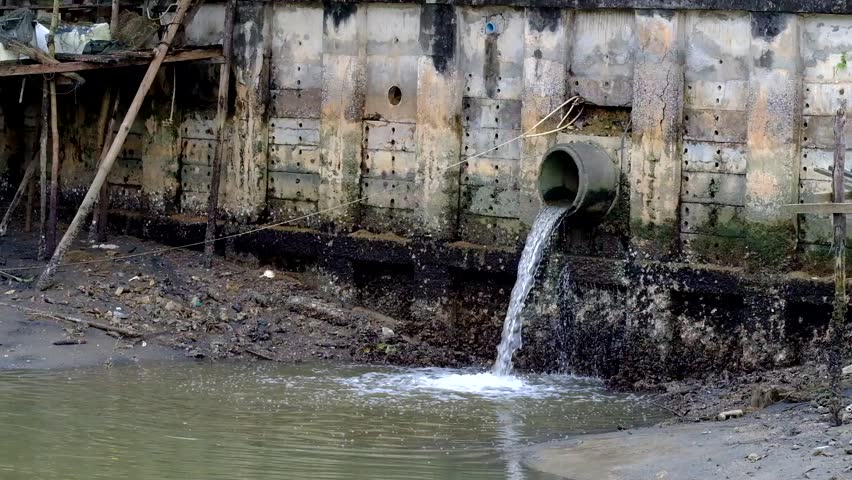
{"type": "Point", "coordinates": [546, 221]}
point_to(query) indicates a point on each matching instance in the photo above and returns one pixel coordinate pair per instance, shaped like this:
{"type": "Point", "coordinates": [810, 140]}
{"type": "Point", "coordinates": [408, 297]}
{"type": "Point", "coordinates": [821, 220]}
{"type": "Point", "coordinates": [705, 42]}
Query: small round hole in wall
{"type": "Point", "coordinates": [394, 95]}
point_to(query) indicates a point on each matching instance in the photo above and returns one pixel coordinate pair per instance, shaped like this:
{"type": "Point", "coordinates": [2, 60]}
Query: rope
{"type": "Point", "coordinates": [573, 101]}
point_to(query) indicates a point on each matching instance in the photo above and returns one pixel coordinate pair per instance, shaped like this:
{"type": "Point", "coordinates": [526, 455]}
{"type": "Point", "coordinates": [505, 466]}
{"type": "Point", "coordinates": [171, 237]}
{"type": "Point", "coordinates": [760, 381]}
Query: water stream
{"type": "Point", "coordinates": [320, 421]}
{"type": "Point", "coordinates": [537, 240]}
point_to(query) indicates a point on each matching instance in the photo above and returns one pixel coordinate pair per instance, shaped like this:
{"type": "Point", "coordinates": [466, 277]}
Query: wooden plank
{"type": "Point", "coordinates": [16, 69]}
{"type": "Point", "coordinates": [819, 208]}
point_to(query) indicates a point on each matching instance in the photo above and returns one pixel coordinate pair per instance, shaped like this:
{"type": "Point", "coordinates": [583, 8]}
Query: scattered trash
{"type": "Point", "coordinates": [753, 457]}
{"type": "Point", "coordinates": [268, 274]}
{"type": "Point", "coordinates": [119, 291]}
{"type": "Point", "coordinates": [10, 292]}
{"type": "Point", "coordinates": [730, 414]}
{"type": "Point", "coordinates": [387, 332]}
{"type": "Point", "coordinates": [117, 313]}
{"type": "Point", "coordinates": [105, 246]}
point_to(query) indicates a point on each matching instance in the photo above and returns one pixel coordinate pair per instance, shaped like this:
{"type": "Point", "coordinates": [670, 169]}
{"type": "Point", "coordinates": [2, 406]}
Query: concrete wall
{"type": "Point", "coordinates": [715, 115]}
{"type": "Point", "coordinates": [716, 118]}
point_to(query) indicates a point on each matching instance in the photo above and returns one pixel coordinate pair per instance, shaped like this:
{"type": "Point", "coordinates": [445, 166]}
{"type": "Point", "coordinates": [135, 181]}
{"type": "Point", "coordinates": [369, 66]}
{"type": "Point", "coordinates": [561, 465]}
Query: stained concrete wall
{"type": "Point", "coordinates": [716, 118]}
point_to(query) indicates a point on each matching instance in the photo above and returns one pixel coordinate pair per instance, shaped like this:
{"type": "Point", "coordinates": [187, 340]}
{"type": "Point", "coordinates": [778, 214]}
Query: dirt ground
{"type": "Point", "coordinates": [235, 310]}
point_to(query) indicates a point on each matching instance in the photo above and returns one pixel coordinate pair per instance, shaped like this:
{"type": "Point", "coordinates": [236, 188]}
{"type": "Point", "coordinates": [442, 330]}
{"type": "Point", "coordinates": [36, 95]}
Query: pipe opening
{"type": "Point", "coordinates": [579, 176]}
{"type": "Point", "coordinates": [559, 180]}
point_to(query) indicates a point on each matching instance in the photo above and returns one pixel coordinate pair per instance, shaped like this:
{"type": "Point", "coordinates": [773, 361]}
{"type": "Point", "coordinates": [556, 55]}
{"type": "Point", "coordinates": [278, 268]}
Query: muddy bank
{"type": "Point", "coordinates": [236, 310]}
{"type": "Point", "coordinates": [784, 433]}
{"type": "Point", "coordinates": [27, 343]}
{"type": "Point", "coordinates": [784, 441]}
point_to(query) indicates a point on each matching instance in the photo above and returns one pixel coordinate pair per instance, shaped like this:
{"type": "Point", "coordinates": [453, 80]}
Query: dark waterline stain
{"type": "Point", "coordinates": [491, 69]}
{"type": "Point", "coordinates": [438, 34]}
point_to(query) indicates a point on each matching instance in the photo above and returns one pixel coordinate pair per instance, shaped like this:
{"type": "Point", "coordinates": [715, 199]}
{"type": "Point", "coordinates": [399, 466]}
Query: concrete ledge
{"type": "Point", "coordinates": [789, 6]}
{"type": "Point", "coordinates": [366, 247]}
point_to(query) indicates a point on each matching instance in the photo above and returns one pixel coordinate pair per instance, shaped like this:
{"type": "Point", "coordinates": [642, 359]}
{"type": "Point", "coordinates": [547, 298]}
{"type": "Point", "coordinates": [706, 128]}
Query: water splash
{"type": "Point", "coordinates": [537, 240]}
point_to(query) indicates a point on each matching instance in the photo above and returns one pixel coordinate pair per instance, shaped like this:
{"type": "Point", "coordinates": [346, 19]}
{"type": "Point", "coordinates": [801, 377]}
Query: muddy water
{"type": "Point", "coordinates": [241, 421]}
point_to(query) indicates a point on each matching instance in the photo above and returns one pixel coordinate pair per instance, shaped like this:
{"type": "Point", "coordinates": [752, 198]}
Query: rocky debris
{"type": "Point", "coordinates": [234, 310]}
{"type": "Point", "coordinates": [753, 457]}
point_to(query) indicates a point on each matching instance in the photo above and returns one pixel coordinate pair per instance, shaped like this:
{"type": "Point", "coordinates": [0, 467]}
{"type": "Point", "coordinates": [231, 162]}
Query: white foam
{"type": "Point", "coordinates": [441, 384]}
{"type": "Point", "coordinates": [474, 383]}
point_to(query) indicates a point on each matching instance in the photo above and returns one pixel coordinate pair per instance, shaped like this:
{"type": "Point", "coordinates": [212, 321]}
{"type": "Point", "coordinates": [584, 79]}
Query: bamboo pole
{"type": "Point", "coordinates": [838, 316]}
{"type": "Point", "coordinates": [221, 116]}
{"type": "Point", "coordinates": [42, 209]}
{"type": "Point", "coordinates": [54, 137]}
{"type": "Point", "coordinates": [162, 49]}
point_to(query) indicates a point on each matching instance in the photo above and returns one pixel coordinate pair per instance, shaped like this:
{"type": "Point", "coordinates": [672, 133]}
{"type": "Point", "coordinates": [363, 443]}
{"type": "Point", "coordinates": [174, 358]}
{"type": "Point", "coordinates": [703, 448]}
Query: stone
{"type": "Point", "coordinates": [823, 451]}
{"type": "Point", "coordinates": [171, 306]}
{"type": "Point", "coordinates": [753, 457]}
{"type": "Point", "coordinates": [730, 414]}
{"type": "Point", "coordinates": [387, 332]}
{"type": "Point", "coordinates": [268, 274]}
{"type": "Point", "coordinates": [119, 314]}
{"type": "Point", "coordinates": [119, 291]}
{"type": "Point", "coordinates": [143, 300]}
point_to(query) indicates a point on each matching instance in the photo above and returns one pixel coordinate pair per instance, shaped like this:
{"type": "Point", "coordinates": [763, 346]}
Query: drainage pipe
{"type": "Point", "coordinates": [581, 176]}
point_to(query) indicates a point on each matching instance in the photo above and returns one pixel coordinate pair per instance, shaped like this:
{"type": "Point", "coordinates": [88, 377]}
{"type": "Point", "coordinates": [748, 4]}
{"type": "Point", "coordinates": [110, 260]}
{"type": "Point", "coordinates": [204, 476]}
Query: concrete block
{"type": "Point", "coordinates": [388, 164]}
{"type": "Point", "coordinates": [197, 152]}
{"type": "Point", "coordinates": [390, 136]}
{"type": "Point", "coordinates": [390, 193]}
{"type": "Point", "coordinates": [394, 30]}
{"type": "Point", "coordinates": [714, 157]}
{"type": "Point", "coordinates": [391, 88]}
{"type": "Point", "coordinates": [657, 105]}
{"type": "Point", "coordinates": [344, 90]}
{"type": "Point", "coordinates": [492, 63]}
{"type": "Point", "coordinates": [294, 158]}
{"type": "Point", "coordinates": [488, 113]}
{"type": "Point", "coordinates": [295, 103]}
{"type": "Point", "coordinates": [438, 135]}
{"type": "Point", "coordinates": [718, 188]}
{"type": "Point", "coordinates": [490, 201]}
{"type": "Point", "coordinates": [294, 131]}
{"type": "Point", "coordinates": [602, 48]}
{"type": "Point", "coordinates": [491, 171]}
{"type": "Point", "coordinates": [728, 126]}
{"type": "Point", "coordinates": [774, 119]}
{"type": "Point", "coordinates": [825, 41]}
{"type": "Point", "coordinates": [717, 46]}
{"type": "Point", "coordinates": [818, 132]}
{"type": "Point", "coordinates": [709, 219]}
{"type": "Point", "coordinates": [294, 186]}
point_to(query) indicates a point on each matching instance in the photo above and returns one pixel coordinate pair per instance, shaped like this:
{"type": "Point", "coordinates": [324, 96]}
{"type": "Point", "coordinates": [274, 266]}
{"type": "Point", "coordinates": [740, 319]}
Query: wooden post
{"type": "Point", "coordinates": [54, 137]}
{"type": "Point", "coordinates": [98, 230]}
{"type": "Point", "coordinates": [104, 122]}
{"type": "Point", "coordinates": [162, 49]}
{"type": "Point", "coordinates": [19, 193]}
{"type": "Point", "coordinates": [42, 209]}
{"type": "Point", "coordinates": [838, 317]}
{"type": "Point", "coordinates": [113, 18]}
{"type": "Point", "coordinates": [28, 212]}
{"type": "Point", "coordinates": [25, 185]}
{"type": "Point", "coordinates": [221, 116]}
